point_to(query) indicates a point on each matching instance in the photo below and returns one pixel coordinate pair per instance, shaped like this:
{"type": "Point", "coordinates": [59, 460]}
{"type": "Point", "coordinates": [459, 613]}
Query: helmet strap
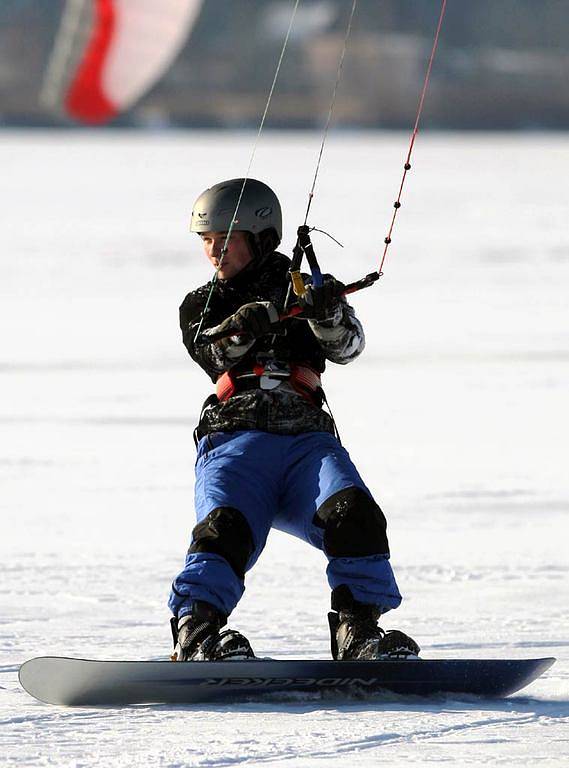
{"type": "Point", "coordinates": [263, 243]}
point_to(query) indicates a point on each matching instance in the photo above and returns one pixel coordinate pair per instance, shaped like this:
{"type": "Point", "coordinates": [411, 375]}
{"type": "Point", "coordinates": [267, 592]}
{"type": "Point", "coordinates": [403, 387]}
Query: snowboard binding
{"type": "Point", "coordinates": [355, 634]}
{"type": "Point", "coordinates": [198, 637]}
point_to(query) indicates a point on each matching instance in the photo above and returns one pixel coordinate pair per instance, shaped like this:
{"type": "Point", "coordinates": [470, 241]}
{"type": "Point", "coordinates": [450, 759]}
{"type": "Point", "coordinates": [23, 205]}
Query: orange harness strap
{"type": "Point", "coordinates": [305, 380]}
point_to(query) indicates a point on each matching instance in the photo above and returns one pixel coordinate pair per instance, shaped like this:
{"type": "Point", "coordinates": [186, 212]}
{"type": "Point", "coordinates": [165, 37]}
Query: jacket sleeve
{"type": "Point", "coordinates": [342, 337]}
{"type": "Point", "coordinates": [217, 357]}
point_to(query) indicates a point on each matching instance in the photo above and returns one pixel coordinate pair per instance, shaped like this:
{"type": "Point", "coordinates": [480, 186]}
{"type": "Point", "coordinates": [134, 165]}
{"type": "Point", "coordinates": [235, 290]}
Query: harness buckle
{"type": "Point", "coordinates": [271, 374]}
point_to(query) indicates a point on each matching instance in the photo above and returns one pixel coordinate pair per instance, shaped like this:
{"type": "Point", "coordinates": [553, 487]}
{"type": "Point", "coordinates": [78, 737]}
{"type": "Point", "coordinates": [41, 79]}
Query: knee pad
{"type": "Point", "coordinates": [354, 525]}
{"type": "Point", "coordinates": [225, 532]}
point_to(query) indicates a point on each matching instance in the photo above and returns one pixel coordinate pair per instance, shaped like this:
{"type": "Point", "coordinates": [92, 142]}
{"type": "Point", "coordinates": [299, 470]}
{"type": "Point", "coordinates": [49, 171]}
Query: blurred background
{"type": "Point", "coordinates": [502, 64]}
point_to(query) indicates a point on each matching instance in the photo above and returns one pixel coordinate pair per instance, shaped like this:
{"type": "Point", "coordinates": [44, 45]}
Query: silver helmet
{"type": "Point", "coordinates": [259, 211]}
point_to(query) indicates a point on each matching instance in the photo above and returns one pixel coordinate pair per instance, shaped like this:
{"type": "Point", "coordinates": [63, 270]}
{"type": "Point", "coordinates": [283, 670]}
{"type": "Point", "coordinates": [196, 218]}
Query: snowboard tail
{"type": "Point", "coordinates": [83, 682]}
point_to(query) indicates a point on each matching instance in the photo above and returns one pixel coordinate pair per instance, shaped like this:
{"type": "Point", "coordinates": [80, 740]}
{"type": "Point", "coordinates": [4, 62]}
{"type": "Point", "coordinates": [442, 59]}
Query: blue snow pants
{"type": "Point", "coordinates": [275, 481]}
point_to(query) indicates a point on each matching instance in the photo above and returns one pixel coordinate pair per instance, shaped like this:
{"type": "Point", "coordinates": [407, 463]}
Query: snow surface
{"type": "Point", "coordinates": [457, 416]}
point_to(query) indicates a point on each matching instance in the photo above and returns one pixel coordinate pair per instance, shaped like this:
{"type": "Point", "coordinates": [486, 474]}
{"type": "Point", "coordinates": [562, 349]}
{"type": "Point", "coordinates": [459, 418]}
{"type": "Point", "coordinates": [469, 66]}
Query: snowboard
{"type": "Point", "coordinates": [82, 682]}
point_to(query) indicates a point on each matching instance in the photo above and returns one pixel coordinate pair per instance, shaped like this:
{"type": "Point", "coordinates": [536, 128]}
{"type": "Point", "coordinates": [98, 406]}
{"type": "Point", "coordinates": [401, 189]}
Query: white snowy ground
{"type": "Point", "coordinates": [457, 415]}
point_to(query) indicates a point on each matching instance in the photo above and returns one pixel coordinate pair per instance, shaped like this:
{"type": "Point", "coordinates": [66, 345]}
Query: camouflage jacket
{"type": "Point", "coordinates": [301, 342]}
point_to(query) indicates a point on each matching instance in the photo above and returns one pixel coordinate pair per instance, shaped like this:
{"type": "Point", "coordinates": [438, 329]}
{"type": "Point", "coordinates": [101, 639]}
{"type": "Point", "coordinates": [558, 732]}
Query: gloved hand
{"type": "Point", "coordinates": [251, 320]}
{"type": "Point", "coordinates": [322, 303]}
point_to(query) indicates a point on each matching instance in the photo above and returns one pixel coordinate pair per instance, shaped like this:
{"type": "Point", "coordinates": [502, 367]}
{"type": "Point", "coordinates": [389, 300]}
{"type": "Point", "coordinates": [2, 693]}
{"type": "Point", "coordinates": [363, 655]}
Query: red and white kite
{"type": "Point", "coordinates": [109, 52]}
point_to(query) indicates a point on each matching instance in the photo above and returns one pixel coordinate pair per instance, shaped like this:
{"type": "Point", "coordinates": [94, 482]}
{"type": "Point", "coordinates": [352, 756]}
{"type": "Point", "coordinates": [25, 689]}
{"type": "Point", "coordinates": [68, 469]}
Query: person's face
{"type": "Point", "coordinates": [237, 256]}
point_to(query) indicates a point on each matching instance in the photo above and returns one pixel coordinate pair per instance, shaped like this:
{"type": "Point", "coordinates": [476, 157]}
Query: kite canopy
{"type": "Point", "coordinates": [108, 53]}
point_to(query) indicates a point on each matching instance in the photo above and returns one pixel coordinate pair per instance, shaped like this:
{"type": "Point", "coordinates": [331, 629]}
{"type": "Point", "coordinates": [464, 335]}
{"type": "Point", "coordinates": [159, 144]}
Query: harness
{"type": "Point", "coordinates": [270, 375]}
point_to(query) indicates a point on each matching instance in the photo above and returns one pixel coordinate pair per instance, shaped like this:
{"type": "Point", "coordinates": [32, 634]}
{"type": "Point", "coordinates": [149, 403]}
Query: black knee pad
{"type": "Point", "coordinates": [225, 532]}
{"type": "Point", "coordinates": [354, 525]}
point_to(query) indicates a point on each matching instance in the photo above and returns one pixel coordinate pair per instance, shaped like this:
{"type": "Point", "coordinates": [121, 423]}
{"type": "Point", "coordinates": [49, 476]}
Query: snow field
{"type": "Point", "coordinates": [456, 415]}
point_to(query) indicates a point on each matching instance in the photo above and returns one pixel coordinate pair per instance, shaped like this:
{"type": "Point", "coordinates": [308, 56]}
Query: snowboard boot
{"type": "Point", "coordinates": [198, 637]}
{"type": "Point", "coordinates": [355, 634]}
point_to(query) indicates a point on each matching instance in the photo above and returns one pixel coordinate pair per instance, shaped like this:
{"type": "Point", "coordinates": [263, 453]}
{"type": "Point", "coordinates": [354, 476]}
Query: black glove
{"type": "Point", "coordinates": [321, 303]}
{"type": "Point", "coordinates": [251, 320]}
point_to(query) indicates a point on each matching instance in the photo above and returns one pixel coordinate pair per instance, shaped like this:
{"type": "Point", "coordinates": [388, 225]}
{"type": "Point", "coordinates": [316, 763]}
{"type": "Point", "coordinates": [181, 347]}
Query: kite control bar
{"type": "Point", "coordinates": [208, 338]}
